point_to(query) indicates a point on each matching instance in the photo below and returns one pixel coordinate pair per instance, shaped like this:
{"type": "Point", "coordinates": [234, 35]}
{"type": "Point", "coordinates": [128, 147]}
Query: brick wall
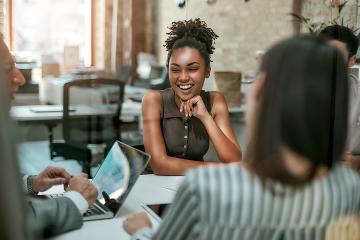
{"type": "Point", "coordinates": [242, 27]}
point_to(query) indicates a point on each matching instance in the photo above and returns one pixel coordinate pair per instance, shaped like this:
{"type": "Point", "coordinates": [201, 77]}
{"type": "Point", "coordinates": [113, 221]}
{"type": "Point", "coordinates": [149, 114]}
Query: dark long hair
{"type": "Point", "coordinates": [304, 106]}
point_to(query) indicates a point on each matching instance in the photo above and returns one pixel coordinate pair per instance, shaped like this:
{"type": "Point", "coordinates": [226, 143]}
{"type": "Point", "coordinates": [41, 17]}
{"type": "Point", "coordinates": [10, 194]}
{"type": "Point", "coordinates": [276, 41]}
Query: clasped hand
{"type": "Point", "coordinates": [54, 176]}
{"type": "Point", "coordinates": [49, 177]}
{"type": "Point", "coordinates": [194, 107]}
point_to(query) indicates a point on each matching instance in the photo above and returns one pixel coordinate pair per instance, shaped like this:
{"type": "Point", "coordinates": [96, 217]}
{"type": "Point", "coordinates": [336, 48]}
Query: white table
{"type": "Point", "coordinates": [149, 189]}
{"type": "Point", "coordinates": [130, 110]}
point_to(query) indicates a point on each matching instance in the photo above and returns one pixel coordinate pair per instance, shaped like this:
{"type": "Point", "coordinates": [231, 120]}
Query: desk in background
{"type": "Point", "coordinates": [131, 111]}
{"type": "Point", "coordinates": [51, 90]}
{"type": "Point", "coordinates": [149, 189]}
{"type": "Point", "coordinates": [23, 114]}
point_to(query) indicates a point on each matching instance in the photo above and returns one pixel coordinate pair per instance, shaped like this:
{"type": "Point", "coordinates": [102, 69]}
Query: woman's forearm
{"type": "Point", "coordinates": [227, 150]}
{"type": "Point", "coordinates": [167, 165]}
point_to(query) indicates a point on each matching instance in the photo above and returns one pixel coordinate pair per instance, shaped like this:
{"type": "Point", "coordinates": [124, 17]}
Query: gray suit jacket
{"type": "Point", "coordinates": [48, 217]}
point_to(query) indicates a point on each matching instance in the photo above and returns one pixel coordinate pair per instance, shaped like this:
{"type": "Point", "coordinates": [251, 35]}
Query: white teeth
{"type": "Point", "coordinates": [185, 87]}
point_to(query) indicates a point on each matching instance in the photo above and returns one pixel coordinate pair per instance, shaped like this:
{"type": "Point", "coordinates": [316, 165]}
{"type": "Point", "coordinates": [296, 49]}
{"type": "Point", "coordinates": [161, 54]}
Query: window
{"type": "Point", "coordinates": [46, 27]}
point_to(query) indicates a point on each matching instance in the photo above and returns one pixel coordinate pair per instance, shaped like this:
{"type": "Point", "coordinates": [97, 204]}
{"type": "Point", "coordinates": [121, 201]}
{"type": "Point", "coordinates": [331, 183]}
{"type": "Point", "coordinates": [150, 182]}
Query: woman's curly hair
{"type": "Point", "coordinates": [192, 33]}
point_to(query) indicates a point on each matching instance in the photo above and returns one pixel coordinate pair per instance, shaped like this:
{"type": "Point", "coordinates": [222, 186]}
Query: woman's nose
{"type": "Point", "coordinates": [184, 76]}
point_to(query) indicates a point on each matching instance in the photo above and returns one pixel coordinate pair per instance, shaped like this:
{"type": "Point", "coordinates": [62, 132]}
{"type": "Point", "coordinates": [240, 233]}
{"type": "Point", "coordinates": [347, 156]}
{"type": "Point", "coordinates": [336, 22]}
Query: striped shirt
{"type": "Point", "coordinates": [229, 202]}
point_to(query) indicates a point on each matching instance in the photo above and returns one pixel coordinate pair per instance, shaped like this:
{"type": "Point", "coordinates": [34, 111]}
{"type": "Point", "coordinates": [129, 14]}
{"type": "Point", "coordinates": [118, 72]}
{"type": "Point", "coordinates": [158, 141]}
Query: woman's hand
{"type": "Point", "coordinates": [135, 222]}
{"type": "Point", "coordinates": [194, 107]}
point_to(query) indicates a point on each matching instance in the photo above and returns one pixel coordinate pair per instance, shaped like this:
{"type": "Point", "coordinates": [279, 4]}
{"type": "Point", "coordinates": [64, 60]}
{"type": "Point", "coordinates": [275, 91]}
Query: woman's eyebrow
{"type": "Point", "coordinates": [189, 64]}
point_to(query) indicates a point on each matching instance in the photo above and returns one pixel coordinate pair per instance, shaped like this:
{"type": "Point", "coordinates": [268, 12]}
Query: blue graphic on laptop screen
{"type": "Point", "coordinates": [113, 175]}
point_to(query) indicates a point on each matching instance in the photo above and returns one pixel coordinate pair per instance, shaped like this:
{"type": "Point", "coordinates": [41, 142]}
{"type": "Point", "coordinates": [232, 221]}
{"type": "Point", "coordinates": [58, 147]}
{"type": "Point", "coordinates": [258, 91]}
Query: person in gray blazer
{"type": "Point", "coordinates": [12, 210]}
{"type": "Point", "coordinates": [51, 216]}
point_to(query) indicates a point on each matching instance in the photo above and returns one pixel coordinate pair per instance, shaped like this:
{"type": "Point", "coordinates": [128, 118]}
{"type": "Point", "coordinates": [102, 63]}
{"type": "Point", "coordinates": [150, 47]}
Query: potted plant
{"type": "Point", "coordinates": [316, 27]}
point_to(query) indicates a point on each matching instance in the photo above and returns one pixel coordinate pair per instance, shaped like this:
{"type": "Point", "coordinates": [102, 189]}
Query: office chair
{"type": "Point", "coordinates": [92, 119]}
{"type": "Point", "coordinates": [162, 82]}
{"type": "Point", "coordinates": [158, 79]}
{"type": "Point", "coordinates": [125, 73]}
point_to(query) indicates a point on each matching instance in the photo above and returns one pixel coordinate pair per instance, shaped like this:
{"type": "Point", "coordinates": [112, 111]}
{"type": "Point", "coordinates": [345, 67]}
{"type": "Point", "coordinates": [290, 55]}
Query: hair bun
{"type": "Point", "coordinates": [193, 28]}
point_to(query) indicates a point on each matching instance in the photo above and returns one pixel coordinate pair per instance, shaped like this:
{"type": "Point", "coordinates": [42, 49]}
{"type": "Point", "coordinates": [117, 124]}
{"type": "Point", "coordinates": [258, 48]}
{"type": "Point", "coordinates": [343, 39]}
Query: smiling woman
{"type": "Point", "coordinates": [180, 121]}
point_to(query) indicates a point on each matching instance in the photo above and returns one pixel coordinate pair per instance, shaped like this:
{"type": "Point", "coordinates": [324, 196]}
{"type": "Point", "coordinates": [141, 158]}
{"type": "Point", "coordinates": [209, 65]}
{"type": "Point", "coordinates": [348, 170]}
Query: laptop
{"type": "Point", "coordinates": [114, 180]}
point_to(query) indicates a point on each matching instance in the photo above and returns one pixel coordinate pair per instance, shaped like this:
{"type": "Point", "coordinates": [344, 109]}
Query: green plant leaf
{"type": "Point", "coordinates": [342, 5]}
{"type": "Point", "coordinates": [299, 18]}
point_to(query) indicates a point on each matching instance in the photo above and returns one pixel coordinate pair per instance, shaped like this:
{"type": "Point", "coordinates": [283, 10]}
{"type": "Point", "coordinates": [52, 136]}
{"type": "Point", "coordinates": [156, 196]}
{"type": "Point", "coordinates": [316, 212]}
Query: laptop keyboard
{"type": "Point", "coordinates": [56, 195]}
{"type": "Point", "coordinates": [92, 210]}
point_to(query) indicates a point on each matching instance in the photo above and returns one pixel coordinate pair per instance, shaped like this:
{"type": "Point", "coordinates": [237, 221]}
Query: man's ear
{"type": "Point", "coordinates": [352, 60]}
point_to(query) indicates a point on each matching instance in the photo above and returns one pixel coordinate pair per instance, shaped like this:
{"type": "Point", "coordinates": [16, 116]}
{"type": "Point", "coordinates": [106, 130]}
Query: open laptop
{"type": "Point", "coordinates": [114, 180]}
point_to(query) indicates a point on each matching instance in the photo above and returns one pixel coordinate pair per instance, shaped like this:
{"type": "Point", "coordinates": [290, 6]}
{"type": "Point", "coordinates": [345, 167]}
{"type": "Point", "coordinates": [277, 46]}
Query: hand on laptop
{"type": "Point", "coordinates": [49, 177]}
{"type": "Point", "coordinates": [82, 185]}
{"type": "Point", "coordinates": [135, 222]}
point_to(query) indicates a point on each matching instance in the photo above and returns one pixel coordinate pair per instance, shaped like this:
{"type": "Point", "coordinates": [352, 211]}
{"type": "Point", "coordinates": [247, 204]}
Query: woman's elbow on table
{"type": "Point", "coordinates": [157, 165]}
{"type": "Point", "coordinates": [236, 156]}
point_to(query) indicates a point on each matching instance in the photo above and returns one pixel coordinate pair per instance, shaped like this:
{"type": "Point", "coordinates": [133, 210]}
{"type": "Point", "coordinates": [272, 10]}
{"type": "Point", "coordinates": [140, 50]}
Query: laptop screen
{"type": "Point", "coordinates": [119, 172]}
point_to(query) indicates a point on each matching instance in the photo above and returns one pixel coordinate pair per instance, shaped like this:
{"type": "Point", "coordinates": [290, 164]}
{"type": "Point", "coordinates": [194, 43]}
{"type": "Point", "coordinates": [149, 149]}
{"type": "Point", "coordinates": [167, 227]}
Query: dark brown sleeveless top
{"type": "Point", "coordinates": [183, 139]}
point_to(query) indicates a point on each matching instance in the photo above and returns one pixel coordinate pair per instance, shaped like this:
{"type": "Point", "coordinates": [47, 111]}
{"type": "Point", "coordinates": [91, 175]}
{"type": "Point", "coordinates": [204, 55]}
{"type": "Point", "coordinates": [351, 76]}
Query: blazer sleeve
{"type": "Point", "coordinates": [49, 217]}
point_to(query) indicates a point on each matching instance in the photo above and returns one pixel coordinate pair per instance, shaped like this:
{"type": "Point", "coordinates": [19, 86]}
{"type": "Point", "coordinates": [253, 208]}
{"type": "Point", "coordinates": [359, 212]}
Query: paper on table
{"type": "Point", "coordinates": [172, 187]}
